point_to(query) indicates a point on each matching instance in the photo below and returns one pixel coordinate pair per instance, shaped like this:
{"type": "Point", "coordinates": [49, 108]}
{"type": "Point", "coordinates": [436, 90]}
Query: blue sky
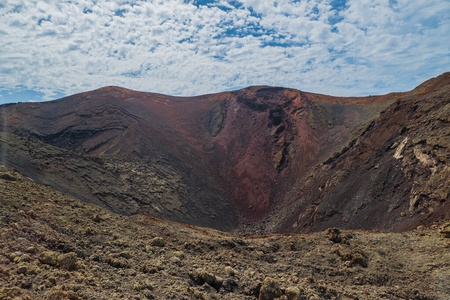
{"type": "Point", "coordinates": [53, 48]}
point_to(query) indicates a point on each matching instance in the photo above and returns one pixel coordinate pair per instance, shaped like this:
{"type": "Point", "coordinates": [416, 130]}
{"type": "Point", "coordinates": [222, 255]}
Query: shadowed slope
{"type": "Point", "coordinates": [116, 148]}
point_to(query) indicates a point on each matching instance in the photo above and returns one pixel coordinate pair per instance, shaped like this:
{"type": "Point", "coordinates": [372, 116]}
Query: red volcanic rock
{"type": "Point", "coordinates": [394, 176]}
{"type": "Point", "coordinates": [260, 155]}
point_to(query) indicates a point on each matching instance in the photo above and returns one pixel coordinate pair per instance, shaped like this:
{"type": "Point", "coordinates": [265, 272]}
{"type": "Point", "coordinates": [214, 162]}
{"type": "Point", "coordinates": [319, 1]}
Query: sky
{"type": "Point", "coordinates": [53, 48]}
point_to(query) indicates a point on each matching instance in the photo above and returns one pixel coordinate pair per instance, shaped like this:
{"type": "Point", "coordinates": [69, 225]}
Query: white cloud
{"type": "Point", "coordinates": [175, 47]}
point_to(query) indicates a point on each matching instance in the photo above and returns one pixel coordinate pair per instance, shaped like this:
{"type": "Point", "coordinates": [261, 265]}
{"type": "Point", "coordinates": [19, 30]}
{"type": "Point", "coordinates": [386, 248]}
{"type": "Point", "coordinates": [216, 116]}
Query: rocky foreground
{"type": "Point", "coordinates": [56, 247]}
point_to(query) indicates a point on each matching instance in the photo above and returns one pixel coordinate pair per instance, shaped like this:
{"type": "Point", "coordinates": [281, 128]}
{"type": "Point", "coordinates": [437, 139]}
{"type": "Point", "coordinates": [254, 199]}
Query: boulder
{"type": "Point", "coordinates": [270, 289]}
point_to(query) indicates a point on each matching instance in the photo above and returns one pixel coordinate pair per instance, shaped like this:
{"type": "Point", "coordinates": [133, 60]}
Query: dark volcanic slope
{"type": "Point", "coordinates": [116, 148]}
{"type": "Point", "coordinates": [211, 160]}
{"type": "Point", "coordinates": [394, 176]}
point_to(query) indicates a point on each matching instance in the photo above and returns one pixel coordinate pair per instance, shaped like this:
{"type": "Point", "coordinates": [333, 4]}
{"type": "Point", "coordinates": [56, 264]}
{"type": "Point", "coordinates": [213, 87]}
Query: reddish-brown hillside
{"type": "Point", "coordinates": [222, 160]}
{"type": "Point", "coordinates": [395, 176]}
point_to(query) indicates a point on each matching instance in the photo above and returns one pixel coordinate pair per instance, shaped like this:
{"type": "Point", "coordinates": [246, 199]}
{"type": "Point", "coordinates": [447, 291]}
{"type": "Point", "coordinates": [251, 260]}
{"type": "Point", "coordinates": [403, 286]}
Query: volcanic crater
{"type": "Point", "coordinates": [257, 160]}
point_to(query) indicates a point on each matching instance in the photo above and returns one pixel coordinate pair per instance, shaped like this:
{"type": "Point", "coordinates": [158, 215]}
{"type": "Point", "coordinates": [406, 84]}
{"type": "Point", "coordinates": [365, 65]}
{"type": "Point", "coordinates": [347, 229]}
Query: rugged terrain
{"type": "Point", "coordinates": [394, 176]}
{"type": "Point", "coordinates": [56, 247]}
{"type": "Point", "coordinates": [86, 181]}
{"type": "Point", "coordinates": [260, 159]}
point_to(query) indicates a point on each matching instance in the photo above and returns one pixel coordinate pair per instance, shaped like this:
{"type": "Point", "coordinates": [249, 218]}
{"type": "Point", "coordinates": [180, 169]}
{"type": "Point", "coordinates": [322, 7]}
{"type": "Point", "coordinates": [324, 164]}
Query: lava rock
{"type": "Point", "coordinates": [157, 242]}
{"type": "Point", "coordinates": [49, 258]}
{"type": "Point", "coordinates": [270, 289]}
{"type": "Point", "coordinates": [293, 293]}
{"type": "Point", "coordinates": [230, 285]}
{"type": "Point", "coordinates": [445, 230]}
{"type": "Point", "coordinates": [68, 261]}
